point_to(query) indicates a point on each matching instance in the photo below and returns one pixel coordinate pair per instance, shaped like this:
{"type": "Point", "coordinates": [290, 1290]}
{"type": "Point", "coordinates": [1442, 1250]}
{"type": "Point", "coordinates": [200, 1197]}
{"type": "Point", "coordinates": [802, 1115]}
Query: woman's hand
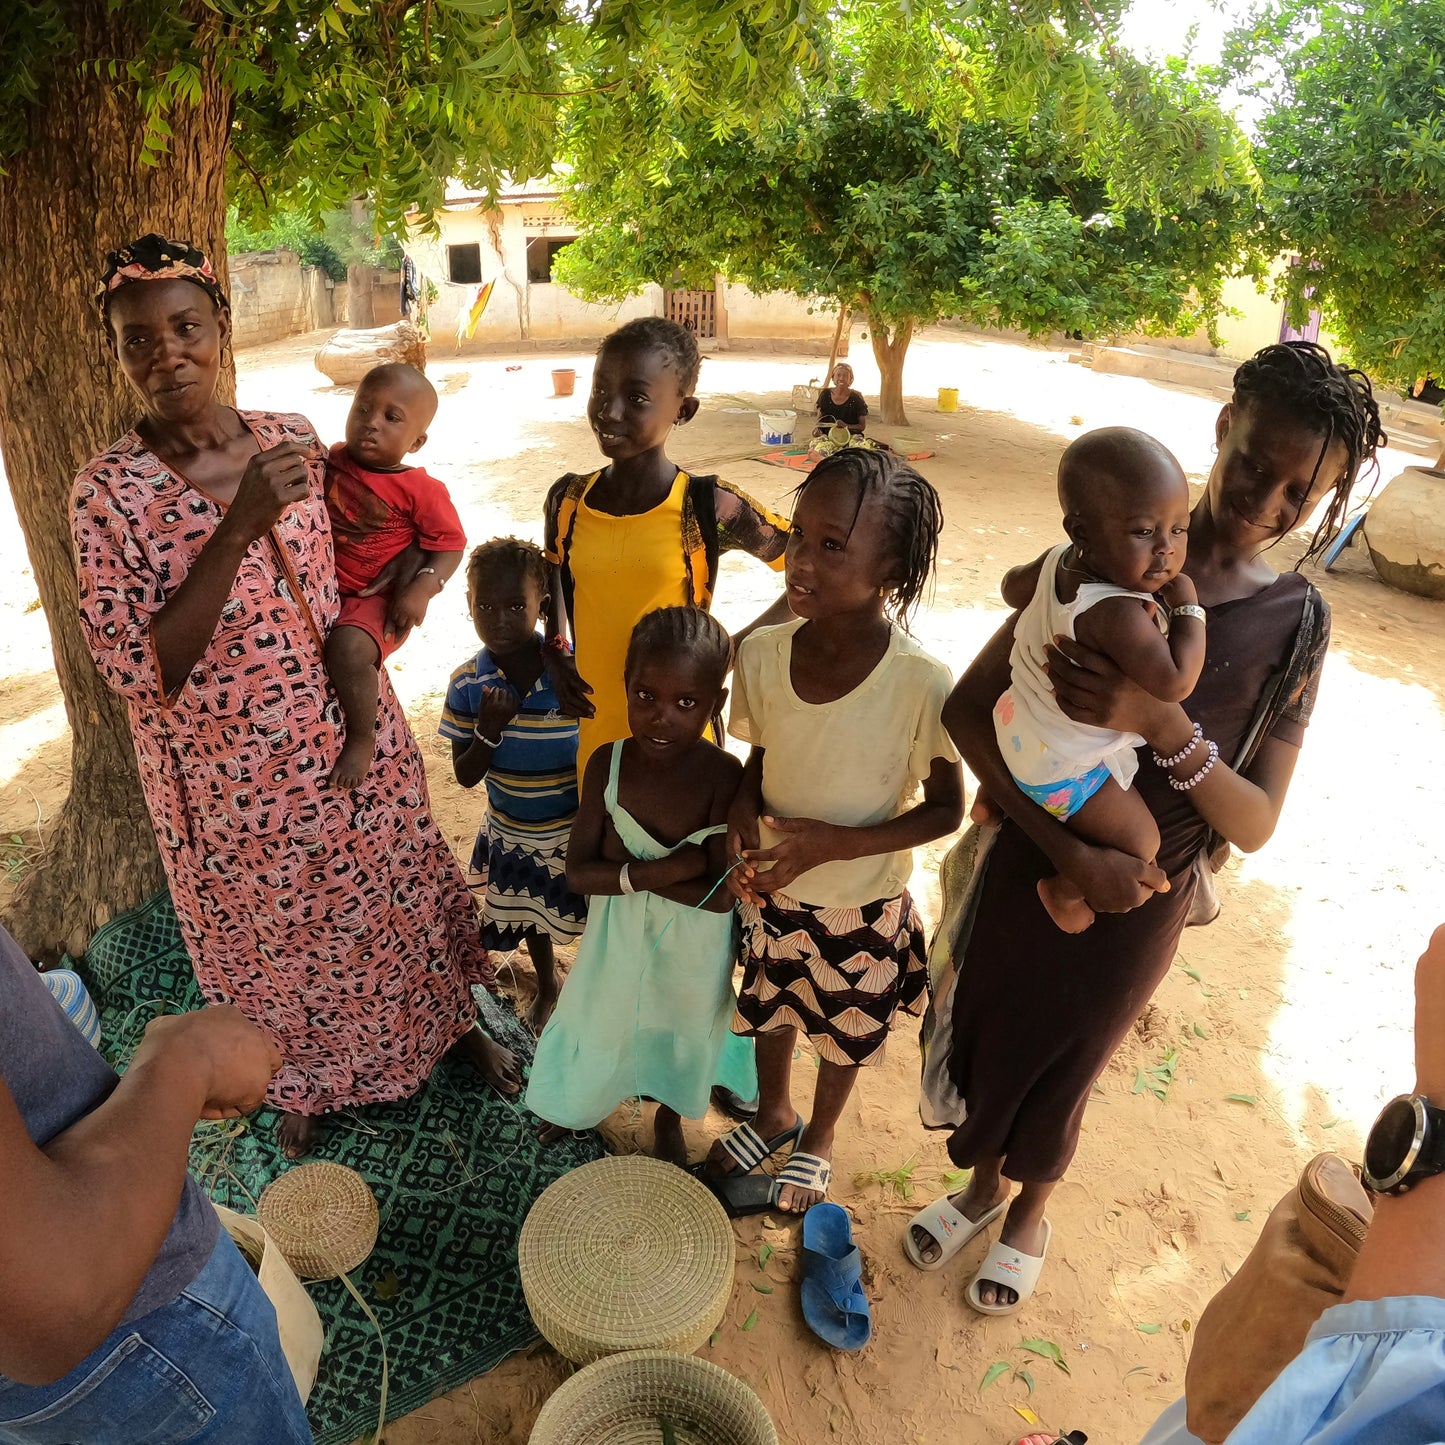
{"type": "Point", "coordinates": [400, 571]}
{"type": "Point", "coordinates": [233, 1058]}
{"type": "Point", "coordinates": [1092, 688]}
{"type": "Point", "coordinates": [806, 843]}
{"type": "Point", "coordinates": [273, 482]}
{"type": "Point", "coordinates": [573, 693]}
{"type": "Point", "coordinates": [1111, 881]}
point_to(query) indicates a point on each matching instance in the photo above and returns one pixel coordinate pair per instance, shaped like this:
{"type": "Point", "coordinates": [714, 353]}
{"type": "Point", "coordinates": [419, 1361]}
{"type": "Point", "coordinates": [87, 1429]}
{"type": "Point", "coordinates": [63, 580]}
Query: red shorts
{"type": "Point", "coordinates": [369, 614]}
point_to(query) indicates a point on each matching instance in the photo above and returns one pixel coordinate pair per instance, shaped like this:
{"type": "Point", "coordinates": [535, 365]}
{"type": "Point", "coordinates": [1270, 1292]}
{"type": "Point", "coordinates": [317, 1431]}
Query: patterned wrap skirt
{"type": "Point", "coordinates": [522, 887]}
{"type": "Point", "coordinates": [838, 974]}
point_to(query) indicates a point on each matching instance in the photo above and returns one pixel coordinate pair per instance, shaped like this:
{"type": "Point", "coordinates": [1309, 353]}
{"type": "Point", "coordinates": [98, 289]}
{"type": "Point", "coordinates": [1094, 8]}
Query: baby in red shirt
{"type": "Point", "coordinates": [378, 509]}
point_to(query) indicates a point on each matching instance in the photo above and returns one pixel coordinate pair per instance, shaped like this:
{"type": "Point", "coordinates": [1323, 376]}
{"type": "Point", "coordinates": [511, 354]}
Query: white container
{"type": "Point", "coordinates": [775, 428]}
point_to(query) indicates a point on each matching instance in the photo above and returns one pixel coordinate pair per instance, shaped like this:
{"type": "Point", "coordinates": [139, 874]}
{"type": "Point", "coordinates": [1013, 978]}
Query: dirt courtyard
{"type": "Point", "coordinates": [1278, 1034]}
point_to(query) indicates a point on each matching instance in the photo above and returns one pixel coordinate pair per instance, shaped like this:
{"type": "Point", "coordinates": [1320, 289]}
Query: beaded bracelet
{"type": "Point", "coordinates": [483, 738]}
{"type": "Point", "coordinates": [558, 644]}
{"type": "Point", "coordinates": [1183, 752]}
{"type": "Point", "coordinates": [1198, 777]}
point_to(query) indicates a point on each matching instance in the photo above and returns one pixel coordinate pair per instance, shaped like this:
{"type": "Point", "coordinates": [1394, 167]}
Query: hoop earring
{"type": "Point", "coordinates": [882, 591]}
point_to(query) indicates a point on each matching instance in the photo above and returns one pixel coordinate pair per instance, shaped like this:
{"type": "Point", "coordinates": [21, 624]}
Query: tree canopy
{"type": "Point", "coordinates": [1351, 154]}
{"type": "Point", "coordinates": [921, 203]}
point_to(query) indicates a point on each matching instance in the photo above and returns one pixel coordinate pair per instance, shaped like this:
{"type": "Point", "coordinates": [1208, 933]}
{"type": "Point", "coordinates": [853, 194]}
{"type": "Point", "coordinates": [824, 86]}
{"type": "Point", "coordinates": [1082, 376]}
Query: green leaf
{"type": "Point", "coordinates": [1198, 1032]}
{"type": "Point", "coordinates": [1192, 972]}
{"type": "Point", "coordinates": [765, 1253]}
{"type": "Point", "coordinates": [1027, 1378]}
{"type": "Point", "coordinates": [1148, 1329]}
{"type": "Point", "coordinates": [751, 1320]}
{"type": "Point", "coordinates": [999, 1367]}
{"type": "Point", "coordinates": [1141, 1082]}
{"type": "Point", "coordinates": [1048, 1350]}
{"type": "Point", "coordinates": [762, 1286]}
{"type": "Point", "coordinates": [713, 1338]}
{"type": "Point", "coordinates": [387, 1287]}
{"type": "Point", "coordinates": [1242, 1215]}
{"type": "Point", "coordinates": [1241, 1098]}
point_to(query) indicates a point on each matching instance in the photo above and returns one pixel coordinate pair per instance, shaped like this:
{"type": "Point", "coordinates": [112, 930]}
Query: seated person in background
{"type": "Point", "coordinates": [840, 405]}
{"type": "Point", "coordinates": [129, 1316]}
{"type": "Point", "coordinates": [379, 507]}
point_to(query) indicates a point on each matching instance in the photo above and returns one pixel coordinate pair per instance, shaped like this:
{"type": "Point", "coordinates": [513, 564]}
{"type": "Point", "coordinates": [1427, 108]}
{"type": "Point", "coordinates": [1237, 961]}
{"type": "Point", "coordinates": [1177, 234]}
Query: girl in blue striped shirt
{"type": "Point", "coordinates": [506, 726]}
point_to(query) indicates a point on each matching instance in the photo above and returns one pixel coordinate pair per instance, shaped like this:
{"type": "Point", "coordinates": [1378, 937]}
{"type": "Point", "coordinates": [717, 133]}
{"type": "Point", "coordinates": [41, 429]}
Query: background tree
{"type": "Point", "coordinates": [909, 207]}
{"type": "Point", "coordinates": [117, 119]}
{"type": "Point", "coordinates": [1351, 154]}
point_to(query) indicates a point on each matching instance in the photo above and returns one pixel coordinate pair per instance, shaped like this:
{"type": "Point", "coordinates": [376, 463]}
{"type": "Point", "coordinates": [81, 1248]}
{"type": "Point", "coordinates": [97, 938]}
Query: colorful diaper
{"type": "Point", "coordinates": [1065, 797]}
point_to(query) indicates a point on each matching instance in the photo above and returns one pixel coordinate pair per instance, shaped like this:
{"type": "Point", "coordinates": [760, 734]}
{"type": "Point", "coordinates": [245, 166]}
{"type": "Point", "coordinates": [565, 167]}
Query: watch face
{"type": "Point", "coordinates": [1392, 1140]}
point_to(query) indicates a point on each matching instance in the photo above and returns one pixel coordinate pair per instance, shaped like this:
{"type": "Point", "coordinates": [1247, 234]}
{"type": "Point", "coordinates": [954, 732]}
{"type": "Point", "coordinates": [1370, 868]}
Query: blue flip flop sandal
{"type": "Point", "coordinates": [834, 1305]}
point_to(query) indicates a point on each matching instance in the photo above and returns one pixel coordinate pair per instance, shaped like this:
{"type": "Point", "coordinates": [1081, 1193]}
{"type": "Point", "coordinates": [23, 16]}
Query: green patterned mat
{"type": "Point", "coordinates": [454, 1169]}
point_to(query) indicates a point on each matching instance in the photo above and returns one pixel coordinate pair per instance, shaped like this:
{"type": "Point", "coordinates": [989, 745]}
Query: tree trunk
{"type": "Point", "coordinates": [889, 352]}
{"type": "Point", "coordinates": [76, 191]}
{"type": "Point", "coordinates": [360, 302]}
{"type": "Point", "coordinates": [840, 343]}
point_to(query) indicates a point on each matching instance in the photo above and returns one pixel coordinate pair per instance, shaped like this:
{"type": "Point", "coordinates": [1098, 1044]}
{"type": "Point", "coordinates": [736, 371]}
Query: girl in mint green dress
{"type": "Point", "coordinates": [647, 1008]}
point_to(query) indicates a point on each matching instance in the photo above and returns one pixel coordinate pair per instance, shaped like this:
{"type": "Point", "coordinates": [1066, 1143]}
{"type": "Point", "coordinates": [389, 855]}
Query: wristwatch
{"type": "Point", "coordinates": [1406, 1145]}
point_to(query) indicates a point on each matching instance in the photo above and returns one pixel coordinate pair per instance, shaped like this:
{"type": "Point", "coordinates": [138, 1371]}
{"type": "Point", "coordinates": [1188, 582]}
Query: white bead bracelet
{"type": "Point", "coordinates": [1183, 752]}
{"type": "Point", "coordinates": [1198, 777]}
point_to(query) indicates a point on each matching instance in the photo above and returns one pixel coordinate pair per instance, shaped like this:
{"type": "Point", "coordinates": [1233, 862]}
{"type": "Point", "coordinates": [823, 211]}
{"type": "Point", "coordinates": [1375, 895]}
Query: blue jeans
{"type": "Point", "coordinates": [206, 1369]}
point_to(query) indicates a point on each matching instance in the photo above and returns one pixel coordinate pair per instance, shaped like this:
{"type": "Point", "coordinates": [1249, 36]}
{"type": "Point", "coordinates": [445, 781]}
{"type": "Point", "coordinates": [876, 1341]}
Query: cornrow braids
{"type": "Point", "coordinates": [507, 554]}
{"type": "Point", "coordinates": [682, 632]}
{"type": "Point", "coordinates": [1300, 380]}
{"type": "Point", "coordinates": [912, 517]}
{"type": "Point", "coordinates": [657, 333]}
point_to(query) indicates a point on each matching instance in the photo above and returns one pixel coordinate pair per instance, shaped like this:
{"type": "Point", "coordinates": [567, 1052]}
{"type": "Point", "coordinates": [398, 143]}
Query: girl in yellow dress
{"type": "Point", "coordinates": [640, 533]}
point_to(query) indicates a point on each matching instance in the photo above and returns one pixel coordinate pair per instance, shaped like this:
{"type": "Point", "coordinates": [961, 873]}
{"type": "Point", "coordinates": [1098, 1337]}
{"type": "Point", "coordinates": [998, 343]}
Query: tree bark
{"type": "Point", "coordinates": [840, 342]}
{"type": "Point", "coordinates": [360, 278]}
{"type": "Point", "coordinates": [76, 191]}
{"type": "Point", "coordinates": [890, 346]}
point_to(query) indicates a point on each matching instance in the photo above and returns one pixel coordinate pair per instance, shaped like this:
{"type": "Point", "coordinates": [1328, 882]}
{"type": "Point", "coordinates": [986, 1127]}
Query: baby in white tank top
{"type": "Point", "coordinates": [1117, 587]}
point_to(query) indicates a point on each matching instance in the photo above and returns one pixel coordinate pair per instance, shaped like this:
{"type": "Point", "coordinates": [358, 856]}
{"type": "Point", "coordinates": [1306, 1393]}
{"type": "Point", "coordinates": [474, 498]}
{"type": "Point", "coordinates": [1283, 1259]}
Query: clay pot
{"type": "Point", "coordinates": [564, 380]}
{"type": "Point", "coordinates": [1405, 532]}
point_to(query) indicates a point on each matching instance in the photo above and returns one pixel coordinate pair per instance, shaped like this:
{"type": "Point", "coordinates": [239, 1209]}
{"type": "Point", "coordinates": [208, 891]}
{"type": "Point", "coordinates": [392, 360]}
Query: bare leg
{"type": "Point", "coordinates": [297, 1134]}
{"type": "Point", "coordinates": [544, 965]}
{"type": "Point", "coordinates": [985, 1189]}
{"type": "Point", "coordinates": [1023, 1228]}
{"type": "Point", "coordinates": [835, 1083]}
{"type": "Point", "coordinates": [1114, 817]}
{"type": "Point", "coordinates": [498, 1066]}
{"type": "Point", "coordinates": [667, 1140]}
{"type": "Point", "coordinates": [776, 1113]}
{"type": "Point", "coordinates": [351, 662]}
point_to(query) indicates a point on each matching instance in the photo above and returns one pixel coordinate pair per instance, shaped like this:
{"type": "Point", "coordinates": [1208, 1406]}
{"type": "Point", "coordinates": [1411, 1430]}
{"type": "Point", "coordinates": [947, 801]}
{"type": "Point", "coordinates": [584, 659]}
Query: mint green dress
{"type": "Point", "coordinates": [648, 1006]}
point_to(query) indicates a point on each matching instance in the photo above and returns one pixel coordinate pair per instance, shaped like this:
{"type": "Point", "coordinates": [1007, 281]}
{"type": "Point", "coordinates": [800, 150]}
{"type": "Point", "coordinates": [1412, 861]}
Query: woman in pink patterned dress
{"type": "Point", "coordinates": [338, 921]}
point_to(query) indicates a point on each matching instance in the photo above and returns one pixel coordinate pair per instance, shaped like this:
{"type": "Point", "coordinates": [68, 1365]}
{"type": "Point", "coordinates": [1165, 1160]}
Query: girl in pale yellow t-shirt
{"type": "Point", "coordinates": [640, 533]}
{"type": "Point", "coordinates": [843, 711]}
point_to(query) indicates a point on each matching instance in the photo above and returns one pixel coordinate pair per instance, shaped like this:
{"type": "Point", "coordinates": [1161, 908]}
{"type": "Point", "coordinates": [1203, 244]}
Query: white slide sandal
{"type": "Point", "coordinates": [1012, 1268]}
{"type": "Point", "coordinates": [947, 1227]}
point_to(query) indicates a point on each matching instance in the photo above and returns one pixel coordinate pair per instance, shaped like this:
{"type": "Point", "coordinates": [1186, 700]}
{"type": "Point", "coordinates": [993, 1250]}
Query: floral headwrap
{"type": "Point", "coordinates": [154, 258]}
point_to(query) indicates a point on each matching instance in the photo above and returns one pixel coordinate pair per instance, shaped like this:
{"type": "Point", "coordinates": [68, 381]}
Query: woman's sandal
{"type": "Point", "coordinates": [1012, 1268]}
{"type": "Point", "coordinates": [834, 1305]}
{"type": "Point", "coordinates": [740, 1191]}
{"type": "Point", "coordinates": [805, 1171]}
{"type": "Point", "coordinates": [948, 1228]}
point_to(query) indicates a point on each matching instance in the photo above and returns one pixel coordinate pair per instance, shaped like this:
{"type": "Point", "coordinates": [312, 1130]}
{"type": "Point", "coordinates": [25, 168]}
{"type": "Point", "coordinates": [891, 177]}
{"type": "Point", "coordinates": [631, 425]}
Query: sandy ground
{"type": "Point", "coordinates": [1298, 997]}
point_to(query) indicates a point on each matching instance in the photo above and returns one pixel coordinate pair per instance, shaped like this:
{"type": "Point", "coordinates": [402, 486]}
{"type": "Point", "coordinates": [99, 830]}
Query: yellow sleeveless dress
{"type": "Point", "coordinates": [622, 568]}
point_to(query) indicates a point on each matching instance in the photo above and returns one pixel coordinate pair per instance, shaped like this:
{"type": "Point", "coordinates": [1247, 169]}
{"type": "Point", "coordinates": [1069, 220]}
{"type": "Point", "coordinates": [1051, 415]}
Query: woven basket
{"type": "Point", "coordinates": [626, 1253]}
{"type": "Point", "coordinates": [322, 1217]}
{"type": "Point", "coordinates": [624, 1399]}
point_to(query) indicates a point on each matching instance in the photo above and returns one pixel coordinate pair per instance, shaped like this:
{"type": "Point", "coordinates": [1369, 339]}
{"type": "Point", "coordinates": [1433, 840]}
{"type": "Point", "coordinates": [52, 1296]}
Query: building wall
{"type": "Point", "coordinates": [274, 296]}
{"type": "Point", "coordinates": [520, 310]}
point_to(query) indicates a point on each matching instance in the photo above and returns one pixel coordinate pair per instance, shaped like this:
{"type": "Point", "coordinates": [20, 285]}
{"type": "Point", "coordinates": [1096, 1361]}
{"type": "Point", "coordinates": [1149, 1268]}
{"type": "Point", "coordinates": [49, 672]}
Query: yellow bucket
{"type": "Point", "coordinates": [948, 398]}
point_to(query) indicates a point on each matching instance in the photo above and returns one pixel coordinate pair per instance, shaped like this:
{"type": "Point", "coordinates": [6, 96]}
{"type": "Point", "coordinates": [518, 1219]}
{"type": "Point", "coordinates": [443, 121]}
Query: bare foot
{"type": "Point", "coordinates": [498, 1066]}
{"type": "Point", "coordinates": [536, 1017]}
{"type": "Point", "coordinates": [354, 762]}
{"type": "Point", "coordinates": [972, 1203]}
{"type": "Point", "coordinates": [1065, 905]}
{"type": "Point", "coordinates": [667, 1140]}
{"type": "Point", "coordinates": [793, 1198]}
{"type": "Point", "coordinates": [551, 1133]}
{"type": "Point", "coordinates": [985, 812]}
{"type": "Point", "coordinates": [769, 1126]}
{"type": "Point", "coordinates": [1026, 1236]}
{"type": "Point", "coordinates": [297, 1134]}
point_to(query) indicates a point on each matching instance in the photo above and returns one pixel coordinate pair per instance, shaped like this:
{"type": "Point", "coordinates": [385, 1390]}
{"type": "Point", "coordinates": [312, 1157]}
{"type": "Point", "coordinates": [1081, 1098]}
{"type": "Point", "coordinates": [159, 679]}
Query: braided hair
{"type": "Point", "coordinates": [682, 632]}
{"type": "Point", "coordinates": [1300, 379]}
{"type": "Point", "coordinates": [507, 554]}
{"type": "Point", "coordinates": [657, 333]}
{"type": "Point", "coordinates": [912, 516]}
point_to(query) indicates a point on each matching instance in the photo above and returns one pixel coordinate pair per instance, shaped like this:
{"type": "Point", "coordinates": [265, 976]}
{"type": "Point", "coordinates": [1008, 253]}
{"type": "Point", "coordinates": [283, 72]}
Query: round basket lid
{"type": "Point", "coordinates": [626, 1253]}
{"type": "Point", "coordinates": [322, 1217]}
{"type": "Point", "coordinates": [624, 1399]}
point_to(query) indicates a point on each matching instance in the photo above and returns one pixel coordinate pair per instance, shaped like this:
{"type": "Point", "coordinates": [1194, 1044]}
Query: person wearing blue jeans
{"type": "Point", "coordinates": [128, 1316]}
